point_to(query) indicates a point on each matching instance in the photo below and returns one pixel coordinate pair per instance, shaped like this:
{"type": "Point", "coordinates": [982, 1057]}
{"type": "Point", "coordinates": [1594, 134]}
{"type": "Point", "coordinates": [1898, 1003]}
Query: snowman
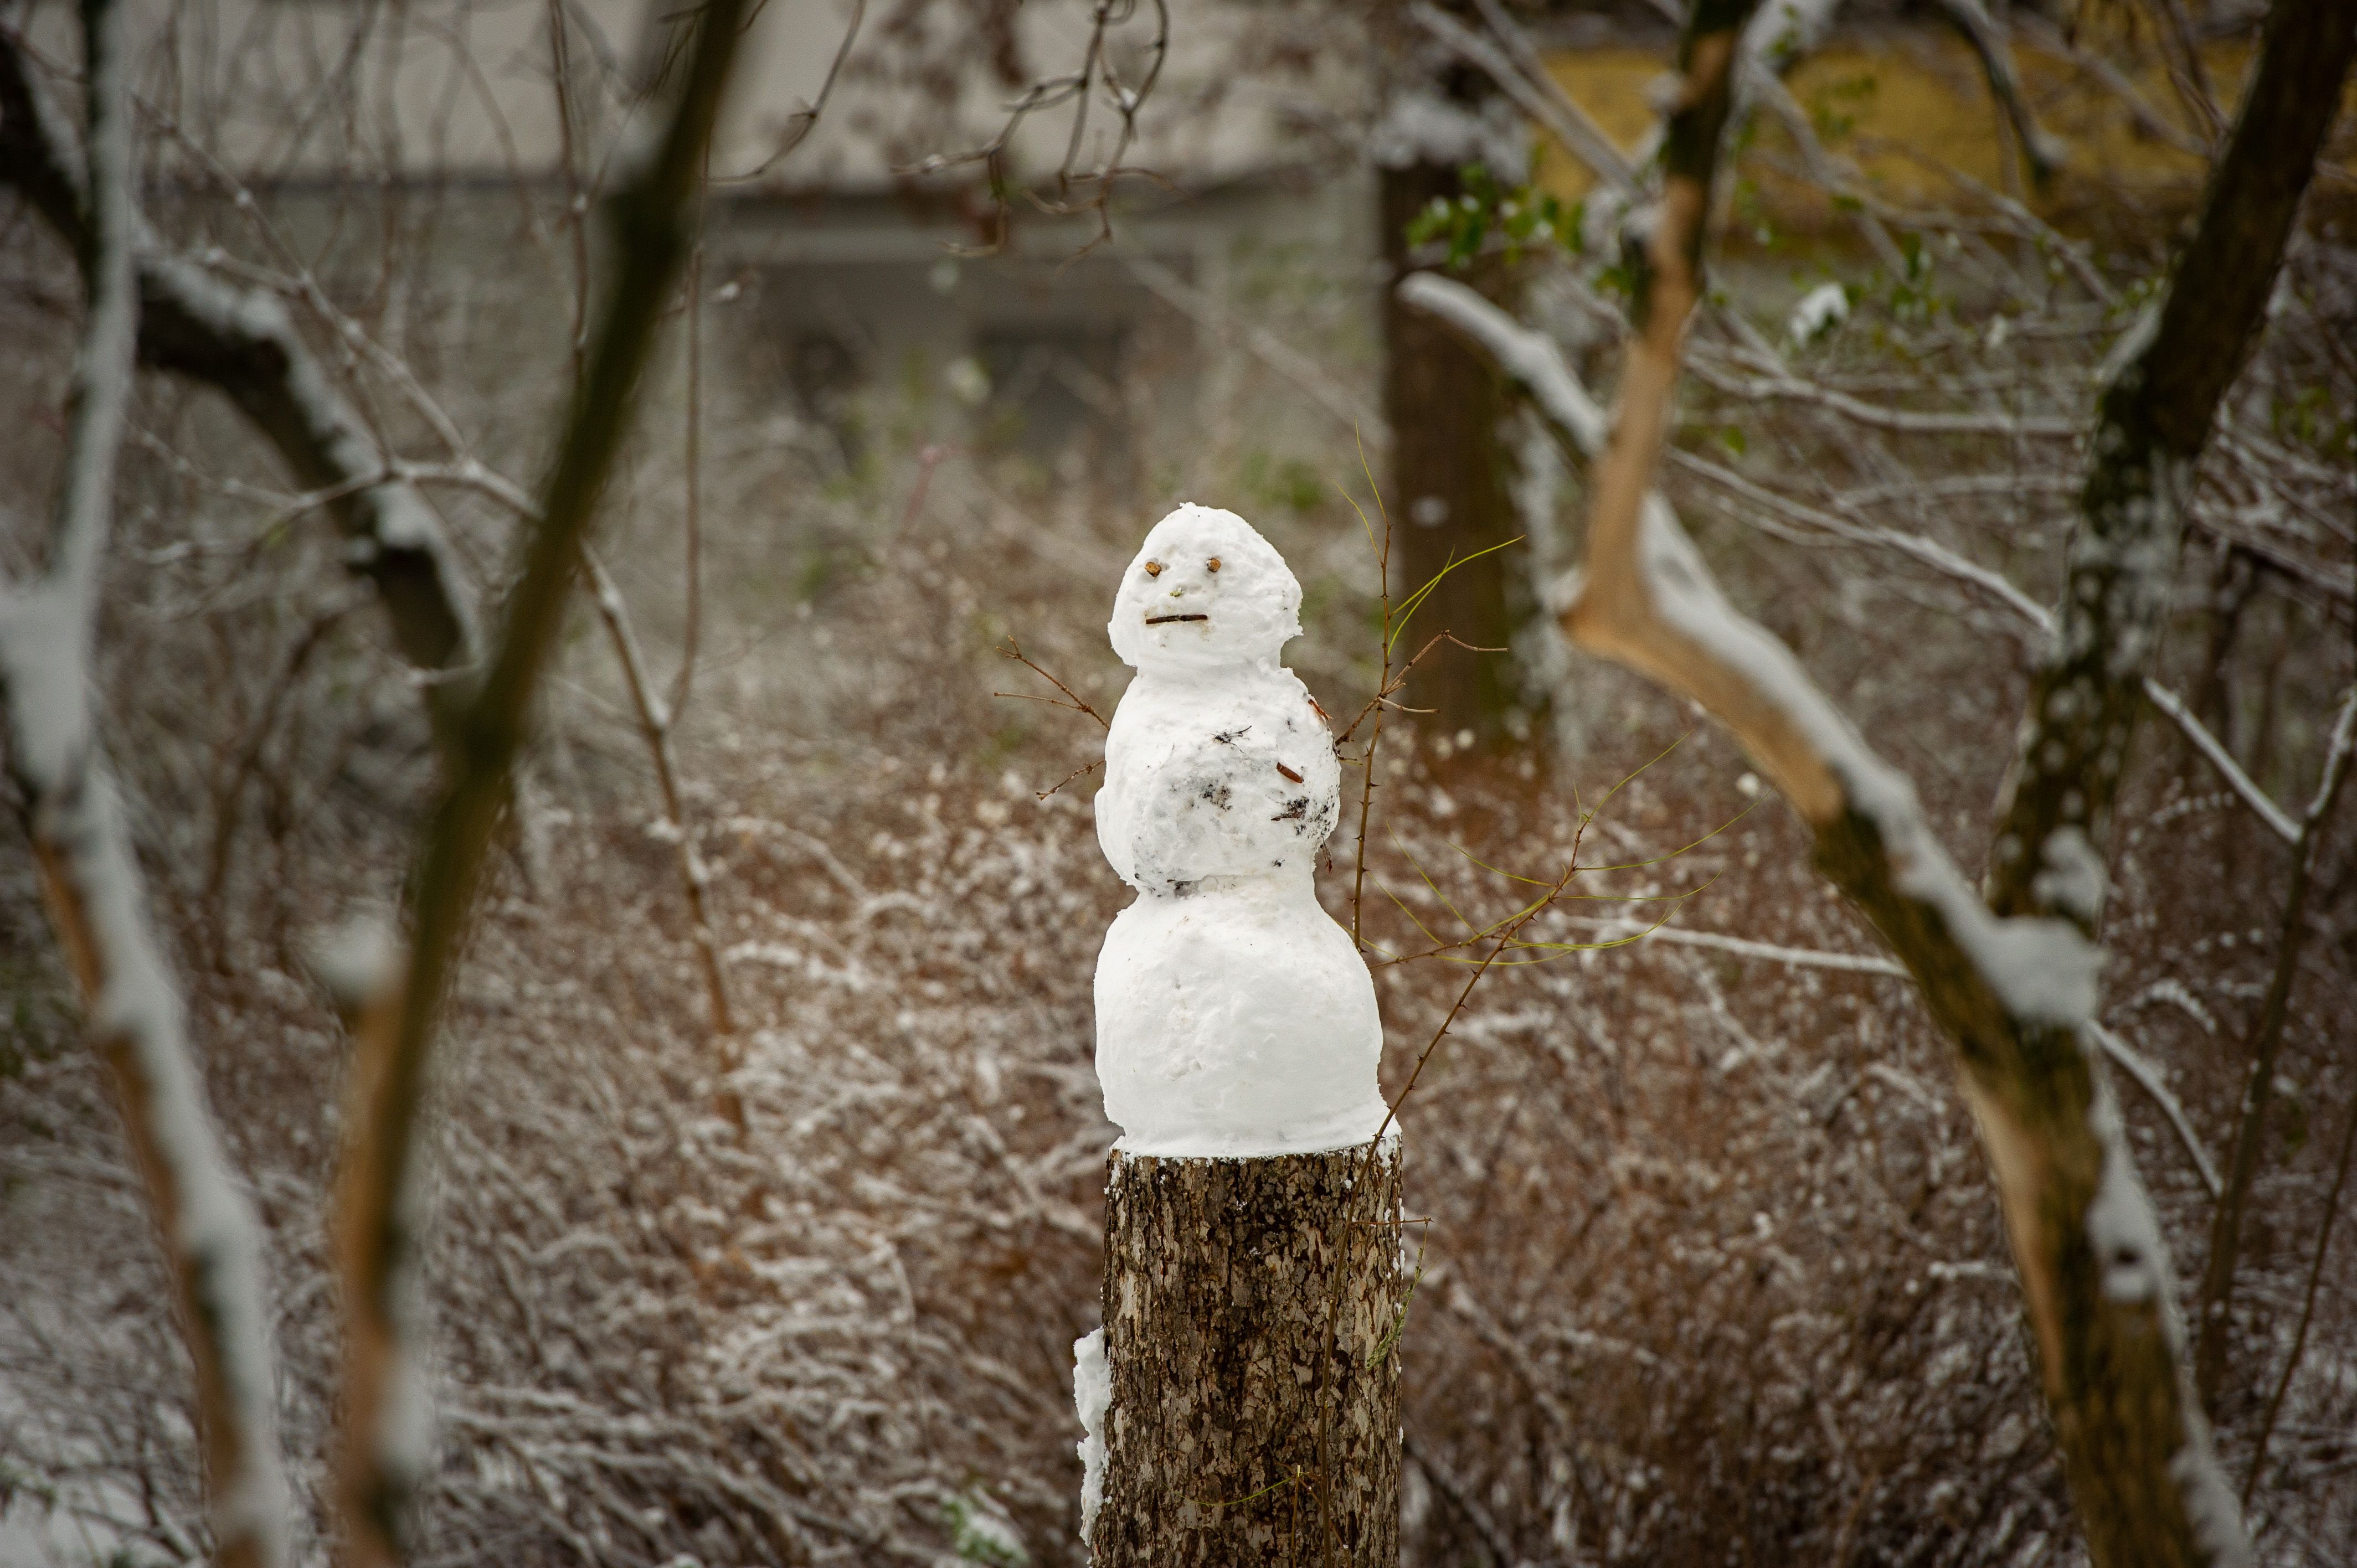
{"type": "Point", "coordinates": [1234, 1018]}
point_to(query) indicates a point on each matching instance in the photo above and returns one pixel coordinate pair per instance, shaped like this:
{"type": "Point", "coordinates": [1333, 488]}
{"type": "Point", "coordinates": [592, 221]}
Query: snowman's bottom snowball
{"type": "Point", "coordinates": [1236, 1022]}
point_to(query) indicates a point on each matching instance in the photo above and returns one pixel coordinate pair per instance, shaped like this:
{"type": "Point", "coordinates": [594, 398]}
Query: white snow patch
{"type": "Point", "coordinates": [2209, 1500]}
{"type": "Point", "coordinates": [1234, 1018]}
{"type": "Point", "coordinates": [1821, 310]}
{"type": "Point", "coordinates": [360, 960]}
{"type": "Point", "coordinates": [2121, 1226]}
{"type": "Point", "coordinates": [1420, 126]}
{"type": "Point", "coordinates": [1092, 1396]}
{"type": "Point", "coordinates": [1782, 31]}
{"type": "Point", "coordinates": [2072, 879]}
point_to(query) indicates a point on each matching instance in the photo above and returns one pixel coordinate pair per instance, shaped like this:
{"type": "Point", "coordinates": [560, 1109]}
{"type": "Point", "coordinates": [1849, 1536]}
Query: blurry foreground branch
{"type": "Point", "coordinates": [650, 215]}
{"type": "Point", "coordinates": [89, 874]}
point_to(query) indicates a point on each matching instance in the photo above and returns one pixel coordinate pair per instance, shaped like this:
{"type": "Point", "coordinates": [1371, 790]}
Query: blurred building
{"type": "Point", "coordinates": [848, 266]}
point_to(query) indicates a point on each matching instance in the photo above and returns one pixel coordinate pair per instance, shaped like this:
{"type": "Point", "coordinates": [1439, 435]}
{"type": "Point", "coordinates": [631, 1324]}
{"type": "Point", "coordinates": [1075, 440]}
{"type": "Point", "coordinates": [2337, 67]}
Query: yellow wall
{"type": "Point", "coordinates": [1922, 91]}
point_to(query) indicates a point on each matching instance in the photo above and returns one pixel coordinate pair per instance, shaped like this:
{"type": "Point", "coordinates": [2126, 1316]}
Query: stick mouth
{"type": "Point", "coordinates": [1165, 620]}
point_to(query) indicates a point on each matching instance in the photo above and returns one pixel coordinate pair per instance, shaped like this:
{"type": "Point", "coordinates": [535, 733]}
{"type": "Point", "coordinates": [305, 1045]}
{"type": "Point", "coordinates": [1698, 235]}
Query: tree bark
{"type": "Point", "coordinates": [1450, 487]}
{"type": "Point", "coordinates": [1256, 1414]}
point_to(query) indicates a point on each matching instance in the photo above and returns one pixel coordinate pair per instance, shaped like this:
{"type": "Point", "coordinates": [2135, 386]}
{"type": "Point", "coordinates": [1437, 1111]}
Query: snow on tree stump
{"type": "Point", "coordinates": [1239, 1432]}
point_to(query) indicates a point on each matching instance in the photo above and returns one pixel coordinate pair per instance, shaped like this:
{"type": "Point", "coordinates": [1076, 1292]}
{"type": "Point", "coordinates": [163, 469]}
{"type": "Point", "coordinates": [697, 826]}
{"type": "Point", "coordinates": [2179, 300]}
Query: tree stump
{"type": "Point", "coordinates": [1244, 1430]}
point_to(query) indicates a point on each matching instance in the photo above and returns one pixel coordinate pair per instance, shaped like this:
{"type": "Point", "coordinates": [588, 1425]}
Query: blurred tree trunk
{"type": "Point", "coordinates": [1450, 492]}
{"type": "Point", "coordinates": [2152, 423]}
{"type": "Point", "coordinates": [1255, 1414]}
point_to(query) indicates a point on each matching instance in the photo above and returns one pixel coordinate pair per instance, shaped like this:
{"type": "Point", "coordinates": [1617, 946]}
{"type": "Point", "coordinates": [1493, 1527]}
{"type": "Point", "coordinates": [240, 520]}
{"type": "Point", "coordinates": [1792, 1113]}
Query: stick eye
{"type": "Point", "coordinates": [1215, 563]}
{"type": "Point", "coordinates": [1154, 568]}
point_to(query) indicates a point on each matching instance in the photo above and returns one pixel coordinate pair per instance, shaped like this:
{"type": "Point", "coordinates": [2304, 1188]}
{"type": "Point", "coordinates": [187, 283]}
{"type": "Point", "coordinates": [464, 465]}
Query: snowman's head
{"type": "Point", "coordinates": [1206, 590]}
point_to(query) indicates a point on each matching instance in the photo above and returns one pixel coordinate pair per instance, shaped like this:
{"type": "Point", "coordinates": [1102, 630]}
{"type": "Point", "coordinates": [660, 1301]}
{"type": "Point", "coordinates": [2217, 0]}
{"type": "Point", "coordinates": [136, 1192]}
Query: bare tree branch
{"type": "Point", "coordinates": [2154, 123]}
{"type": "Point", "coordinates": [1077, 88]}
{"type": "Point", "coordinates": [2042, 151]}
{"type": "Point", "coordinates": [803, 121]}
{"type": "Point", "coordinates": [242, 342]}
{"type": "Point", "coordinates": [2212, 1318]}
{"type": "Point", "coordinates": [90, 875]}
{"type": "Point", "coordinates": [1514, 64]}
{"type": "Point", "coordinates": [654, 717]}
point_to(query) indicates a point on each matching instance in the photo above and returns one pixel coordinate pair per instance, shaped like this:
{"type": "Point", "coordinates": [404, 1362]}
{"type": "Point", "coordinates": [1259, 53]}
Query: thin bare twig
{"type": "Point", "coordinates": [1073, 700]}
{"type": "Point", "coordinates": [655, 717]}
{"type": "Point", "coordinates": [804, 120]}
{"type": "Point", "coordinates": [1513, 64]}
{"type": "Point", "coordinates": [2216, 1301]}
{"type": "Point", "coordinates": [692, 512]}
{"type": "Point", "coordinates": [1085, 768]}
{"type": "Point", "coordinates": [1077, 88]}
{"type": "Point", "coordinates": [2307, 1306]}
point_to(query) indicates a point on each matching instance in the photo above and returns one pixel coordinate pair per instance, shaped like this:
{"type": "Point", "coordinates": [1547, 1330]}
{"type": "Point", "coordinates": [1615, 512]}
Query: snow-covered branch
{"type": "Point", "coordinates": [89, 874]}
{"type": "Point", "coordinates": [1513, 62]}
{"type": "Point", "coordinates": [1880, 416]}
{"type": "Point", "coordinates": [2016, 993]}
{"type": "Point", "coordinates": [1531, 360]}
{"type": "Point", "coordinates": [242, 342]}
